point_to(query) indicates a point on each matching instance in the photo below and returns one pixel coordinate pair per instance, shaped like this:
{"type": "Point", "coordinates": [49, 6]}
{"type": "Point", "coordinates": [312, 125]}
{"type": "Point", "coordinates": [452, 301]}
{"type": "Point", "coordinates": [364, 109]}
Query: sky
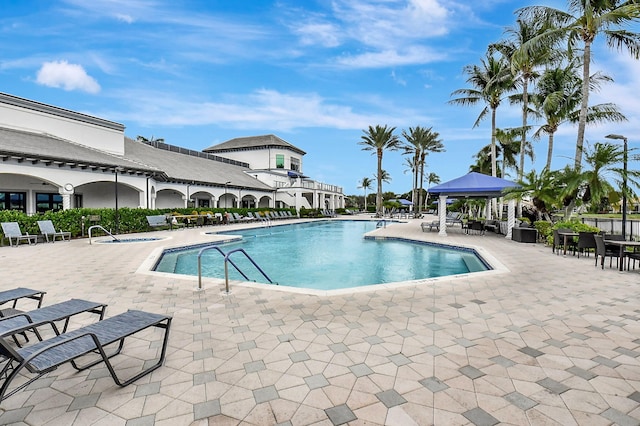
{"type": "Point", "coordinates": [315, 73]}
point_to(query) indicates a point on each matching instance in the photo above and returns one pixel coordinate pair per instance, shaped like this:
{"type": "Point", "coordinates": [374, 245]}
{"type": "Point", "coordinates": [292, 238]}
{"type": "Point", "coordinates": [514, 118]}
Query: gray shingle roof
{"type": "Point", "coordinates": [185, 167]}
{"type": "Point", "coordinates": [264, 141]}
{"type": "Point", "coordinates": [138, 157]}
{"type": "Point", "coordinates": [50, 148]}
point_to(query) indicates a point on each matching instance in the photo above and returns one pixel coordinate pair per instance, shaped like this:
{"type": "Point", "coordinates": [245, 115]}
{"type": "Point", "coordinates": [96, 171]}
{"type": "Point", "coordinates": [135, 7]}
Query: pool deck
{"type": "Point", "coordinates": [544, 340]}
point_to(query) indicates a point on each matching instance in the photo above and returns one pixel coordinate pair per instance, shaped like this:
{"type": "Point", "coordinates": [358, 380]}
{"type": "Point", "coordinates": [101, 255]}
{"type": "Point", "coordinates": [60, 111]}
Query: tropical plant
{"type": "Point", "coordinates": [420, 143]}
{"type": "Point", "coordinates": [524, 64]}
{"type": "Point", "coordinates": [558, 98]}
{"type": "Point", "coordinates": [579, 26]}
{"type": "Point", "coordinates": [145, 140]}
{"type": "Point", "coordinates": [379, 139]}
{"type": "Point", "coordinates": [384, 176]}
{"type": "Point", "coordinates": [431, 178]}
{"type": "Point", "coordinates": [490, 82]}
{"type": "Point", "coordinates": [365, 184]}
{"type": "Point", "coordinates": [542, 190]}
{"type": "Point", "coordinates": [605, 160]}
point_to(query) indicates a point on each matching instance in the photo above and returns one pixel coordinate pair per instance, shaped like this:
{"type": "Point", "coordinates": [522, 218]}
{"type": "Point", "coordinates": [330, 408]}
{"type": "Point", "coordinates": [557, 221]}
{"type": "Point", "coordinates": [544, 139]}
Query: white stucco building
{"type": "Point", "coordinates": [54, 158]}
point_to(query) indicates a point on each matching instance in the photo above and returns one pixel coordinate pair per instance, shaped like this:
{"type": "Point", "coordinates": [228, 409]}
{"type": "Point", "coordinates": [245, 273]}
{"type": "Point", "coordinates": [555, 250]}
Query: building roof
{"type": "Point", "coordinates": [474, 185]}
{"type": "Point", "coordinates": [47, 148]}
{"type": "Point", "coordinates": [253, 142]}
{"type": "Point", "coordinates": [139, 158]}
{"type": "Point", "coordinates": [186, 167]}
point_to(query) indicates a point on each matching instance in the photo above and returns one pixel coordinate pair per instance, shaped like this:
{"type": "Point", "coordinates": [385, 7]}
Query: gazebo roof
{"type": "Point", "coordinates": [474, 185]}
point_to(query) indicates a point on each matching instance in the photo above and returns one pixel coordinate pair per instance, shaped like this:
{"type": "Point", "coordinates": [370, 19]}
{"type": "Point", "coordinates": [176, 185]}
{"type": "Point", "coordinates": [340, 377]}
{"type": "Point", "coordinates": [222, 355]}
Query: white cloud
{"type": "Point", "coordinates": [322, 33]}
{"type": "Point", "coordinates": [61, 74]}
{"type": "Point", "coordinates": [392, 57]}
{"type": "Point", "coordinates": [257, 110]}
{"type": "Point", "coordinates": [124, 18]}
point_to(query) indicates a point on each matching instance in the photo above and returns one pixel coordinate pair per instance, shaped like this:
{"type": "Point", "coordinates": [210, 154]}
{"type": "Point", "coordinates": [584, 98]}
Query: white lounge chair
{"type": "Point", "coordinates": [12, 231]}
{"type": "Point", "coordinates": [48, 230]}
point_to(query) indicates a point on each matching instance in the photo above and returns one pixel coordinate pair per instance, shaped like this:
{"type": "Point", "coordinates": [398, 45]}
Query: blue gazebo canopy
{"type": "Point", "coordinates": [474, 184]}
{"type": "Point", "coordinates": [402, 201]}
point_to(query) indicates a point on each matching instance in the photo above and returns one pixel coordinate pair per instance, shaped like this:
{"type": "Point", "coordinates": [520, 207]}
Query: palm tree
{"type": "Point", "coordinates": [558, 100]}
{"type": "Point", "coordinates": [580, 25]}
{"type": "Point", "coordinates": [543, 190]}
{"type": "Point", "coordinates": [378, 139]}
{"type": "Point", "coordinates": [149, 141]}
{"type": "Point", "coordinates": [365, 184]}
{"type": "Point", "coordinates": [384, 176]}
{"type": "Point", "coordinates": [490, 82]}
{"type": "Point", "coordinates": [431, 178]}
{"type": "Point", "coordinates": [523, 65]}
{"type": "Point", "coordinates": [420, 142]}
{"type": "Point", "coordinates": [605, 160]}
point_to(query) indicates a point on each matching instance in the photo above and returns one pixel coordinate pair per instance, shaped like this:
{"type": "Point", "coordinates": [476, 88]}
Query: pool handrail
{"type": "Point", "coordinates": [226, 268]}
{"type": "Point", "coordinates": [103, 230]}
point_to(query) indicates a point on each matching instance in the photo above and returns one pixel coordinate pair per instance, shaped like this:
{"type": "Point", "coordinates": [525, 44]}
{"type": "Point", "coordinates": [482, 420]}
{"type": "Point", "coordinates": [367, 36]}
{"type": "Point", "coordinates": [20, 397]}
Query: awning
{"type": "Point", "coordinates": [293, 174]}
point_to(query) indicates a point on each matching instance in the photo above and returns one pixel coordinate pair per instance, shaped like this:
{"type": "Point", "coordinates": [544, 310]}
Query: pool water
{"type": "Point", "coordinates": [325, 255]}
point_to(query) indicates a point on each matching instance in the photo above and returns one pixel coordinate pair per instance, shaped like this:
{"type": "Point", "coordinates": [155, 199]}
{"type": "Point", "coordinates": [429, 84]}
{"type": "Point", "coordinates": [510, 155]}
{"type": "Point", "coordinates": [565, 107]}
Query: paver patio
{"type": "Point", "coordinates": [550, 340]}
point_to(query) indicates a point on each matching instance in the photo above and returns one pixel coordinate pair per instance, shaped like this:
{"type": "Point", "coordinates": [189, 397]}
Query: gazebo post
{"type": "Point", "coordinates": [511, 218]}
{"type": "Point", "coordinates": [442, 215]}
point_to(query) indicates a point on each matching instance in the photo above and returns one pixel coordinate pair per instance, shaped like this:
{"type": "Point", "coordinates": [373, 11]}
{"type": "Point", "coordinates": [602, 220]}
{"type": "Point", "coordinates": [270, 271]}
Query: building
{"type": "Point", "coordinates": [53, 158]}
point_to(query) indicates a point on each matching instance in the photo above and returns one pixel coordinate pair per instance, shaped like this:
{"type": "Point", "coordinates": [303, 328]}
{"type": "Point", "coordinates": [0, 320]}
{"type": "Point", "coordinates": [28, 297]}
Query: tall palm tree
{"type": "Point", "coordinates": [490, 82]}
{"type": "Point", "coordinates": [431, 178]}
{"type": "Point", "coordinates": [580, 25]}
{"type": "Point", "coordinates": [378, 139]}
{"type": "Point", "coordinates": [431, 143]}
{"type": "Point", "coordinates": [524, 64]}
{"type": "Point", "coordinates": [384, 176]}
{"type": "Point", "coordinates": [420, 142]}
{"type": "Point", "coordinates": [365, 184]}
{"type": "Point", "coordinates": [558, 99]}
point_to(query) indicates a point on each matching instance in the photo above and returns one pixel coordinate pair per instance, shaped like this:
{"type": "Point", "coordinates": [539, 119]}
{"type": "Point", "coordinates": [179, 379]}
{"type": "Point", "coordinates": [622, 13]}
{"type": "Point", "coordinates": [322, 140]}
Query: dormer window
{"type": "Point", "coordinates": [295, 164]}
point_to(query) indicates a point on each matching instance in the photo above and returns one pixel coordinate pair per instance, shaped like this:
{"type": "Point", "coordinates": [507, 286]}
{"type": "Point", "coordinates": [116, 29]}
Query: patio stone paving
{"type": "Point", "coordinates": [542, 340]}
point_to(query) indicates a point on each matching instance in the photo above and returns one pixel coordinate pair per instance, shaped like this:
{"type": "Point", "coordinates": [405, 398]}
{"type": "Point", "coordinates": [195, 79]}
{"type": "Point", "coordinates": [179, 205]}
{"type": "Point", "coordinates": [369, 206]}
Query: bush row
{"type": "Point", "coordinates": [129, 219]}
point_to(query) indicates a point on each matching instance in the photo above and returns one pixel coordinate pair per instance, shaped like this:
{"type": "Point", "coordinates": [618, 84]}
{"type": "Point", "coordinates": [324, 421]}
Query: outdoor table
{"type": "Point", "coordinates": [623, 245]}
{"type": "Point", "coordinates": [566, 236]}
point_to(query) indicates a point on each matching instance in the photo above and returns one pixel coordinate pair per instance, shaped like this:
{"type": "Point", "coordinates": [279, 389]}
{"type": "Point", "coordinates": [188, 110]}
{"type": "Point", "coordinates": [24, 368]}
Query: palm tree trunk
{"type": "Point", "coordinates": [550, 151]}
{"type": "Point", "coordinates": [414, 195]}
{"type": "Point", "coordinates": [421, 185]}
{"type": "Point", "coordinates": [493, 143]}
{"type": "Point", "coordinates": [494, 163]}
{"type": "Point", "coordinates": [525, 101]}
{"type": "Point", "coordinates": [365, 200]}
{"type": "Point", "coordinates": [379, 177]}
{"type": "Point", "coordinates": [585, 104]}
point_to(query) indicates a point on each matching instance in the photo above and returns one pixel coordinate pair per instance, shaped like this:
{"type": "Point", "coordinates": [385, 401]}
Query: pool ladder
{"type": "Point", "coordinates": [226, 265]}
{"type": "Point", "coordinates": [103, 230]}
{"type": "Point", "coordinates": [381, 223]}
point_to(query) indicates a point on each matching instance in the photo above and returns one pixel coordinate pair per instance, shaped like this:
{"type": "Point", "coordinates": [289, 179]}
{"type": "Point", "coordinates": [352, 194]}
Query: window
{"type": "Point", "coordinates": [280, 161]}
{"type": "Point", "coordinates": [46, 202]}
{"type": "Point", "coordinates": [13, 201]}
{"type": "Point", "coordinates": [295, 164]}
{"type": "Point", "coordinates": [202, 202]}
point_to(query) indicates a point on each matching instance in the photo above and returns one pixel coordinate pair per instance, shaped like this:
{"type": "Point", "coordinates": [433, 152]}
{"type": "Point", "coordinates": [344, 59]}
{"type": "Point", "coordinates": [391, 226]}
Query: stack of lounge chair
{"type": "Point", "coordinates": [99, 341]}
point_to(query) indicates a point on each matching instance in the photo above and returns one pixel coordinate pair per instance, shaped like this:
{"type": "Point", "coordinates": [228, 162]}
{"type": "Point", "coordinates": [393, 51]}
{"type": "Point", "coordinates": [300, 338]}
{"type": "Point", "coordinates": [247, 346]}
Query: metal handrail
{"type": "Point", "coordinates": [226, 268]}
{"type": "Point", "coordinates": [103, 230]}
{"type": "Point", "coordinates": [381, 223]}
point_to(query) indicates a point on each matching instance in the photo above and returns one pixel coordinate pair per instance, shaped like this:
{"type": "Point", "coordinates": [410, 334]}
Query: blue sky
{"type": "Point", "coordinates": [315, 73]}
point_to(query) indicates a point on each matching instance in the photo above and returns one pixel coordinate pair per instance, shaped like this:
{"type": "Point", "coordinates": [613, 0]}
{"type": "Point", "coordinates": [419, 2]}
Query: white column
{"type": "Point", "coordinates": [66, 196]}
{"type": "Point", "coordinates": [442, 215]}
{"type": "Point", "coordinates": [511, 217]}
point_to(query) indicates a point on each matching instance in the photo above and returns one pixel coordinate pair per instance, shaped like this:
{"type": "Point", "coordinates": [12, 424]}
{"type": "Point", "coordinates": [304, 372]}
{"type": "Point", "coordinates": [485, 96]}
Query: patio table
{"type": "Point", "coordinates": [623, 245]}
{"type": "Point", "coordinates": [566, 236]}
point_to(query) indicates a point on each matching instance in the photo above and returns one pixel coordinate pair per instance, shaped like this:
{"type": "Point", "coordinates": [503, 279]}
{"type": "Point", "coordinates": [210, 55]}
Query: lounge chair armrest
{"type": "Point", "coordinates": [30, 326]}
{"type": "Point", "coordinates": [64, 342]}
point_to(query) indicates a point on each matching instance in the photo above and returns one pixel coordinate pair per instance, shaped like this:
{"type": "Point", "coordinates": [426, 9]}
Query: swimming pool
{"type": "Point", "coordinates": [326, 255]}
